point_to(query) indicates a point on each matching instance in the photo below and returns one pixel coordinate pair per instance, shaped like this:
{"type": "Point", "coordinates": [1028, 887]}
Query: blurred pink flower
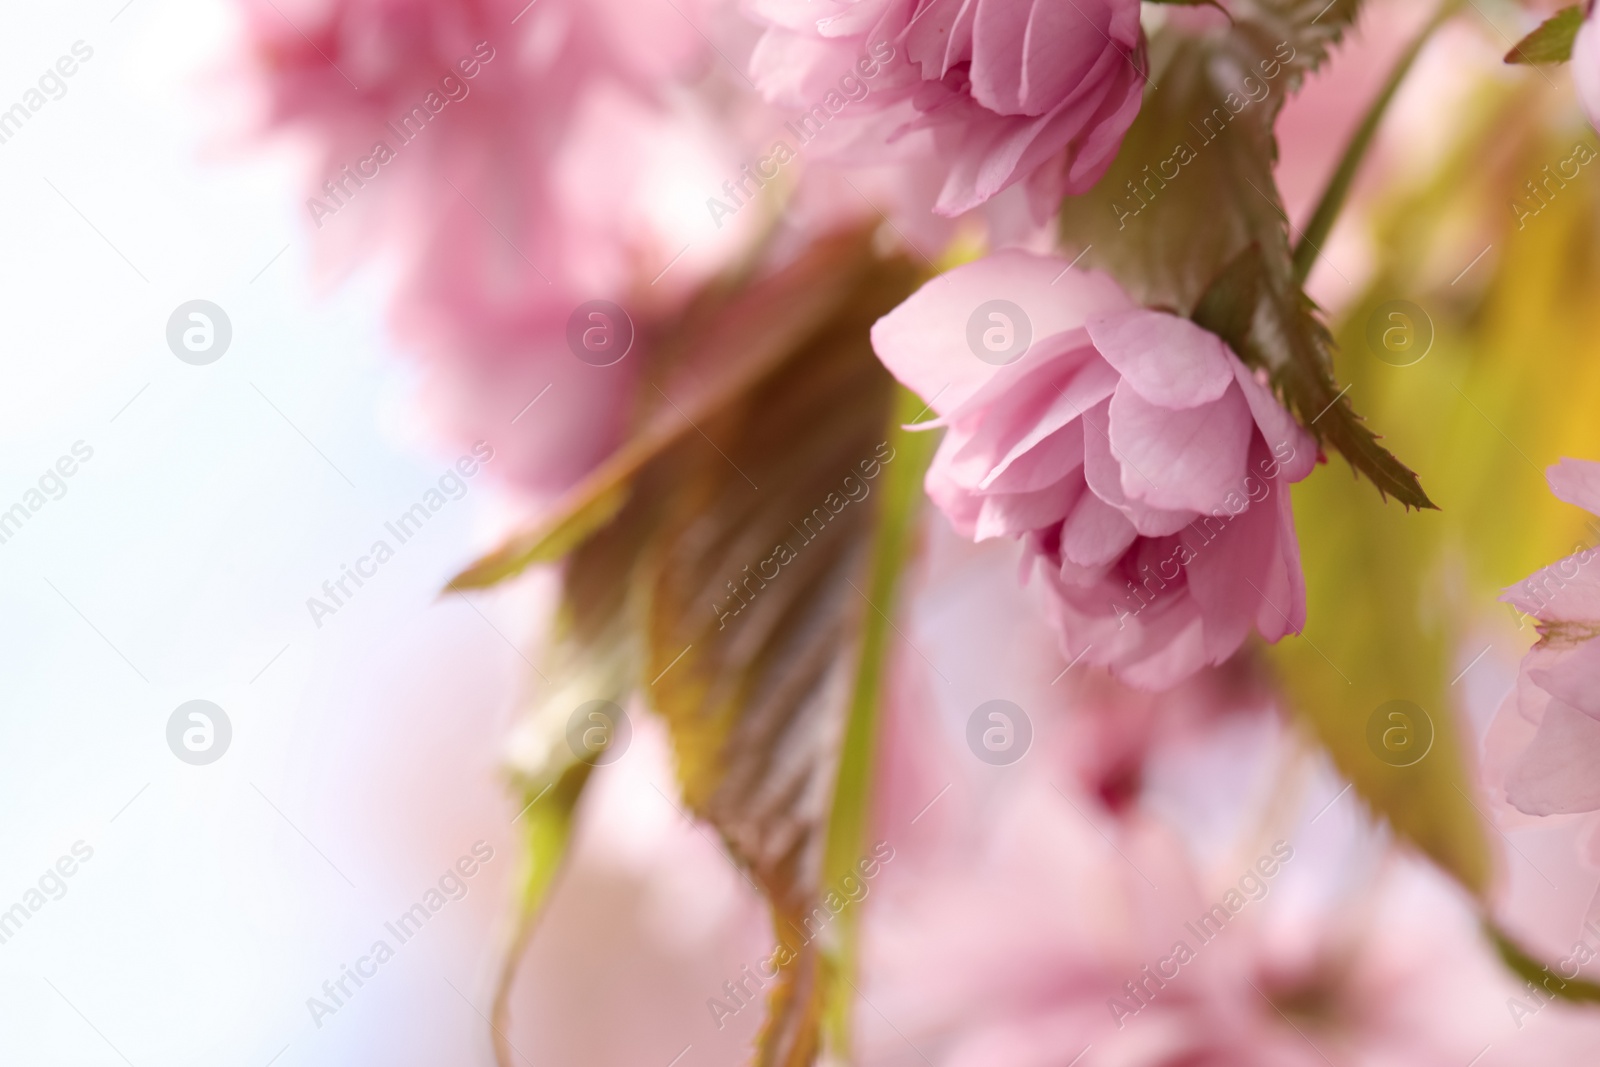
{"type": "Point", "coordinates": [528, 154]}
{"type": "Point", "coordinates": [1545, 742]}
{"type": "Point", "coordinates": [1142, 464]}
{"type": "Point", "coordinates": [1586, 67]}
{"type": "Point", "coordinates": [1019, 911]}
{"type": "Point", "coordinates": [1011, 90]}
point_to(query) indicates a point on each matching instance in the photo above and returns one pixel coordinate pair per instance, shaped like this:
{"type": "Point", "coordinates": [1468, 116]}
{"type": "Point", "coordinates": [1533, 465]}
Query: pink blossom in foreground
{"type": "Point", "coordinates": [1546, 737]}
{"type": "Point", "coordinates": [1144, 467]}
{"type": "Point", "coordinates": [1011, 90]}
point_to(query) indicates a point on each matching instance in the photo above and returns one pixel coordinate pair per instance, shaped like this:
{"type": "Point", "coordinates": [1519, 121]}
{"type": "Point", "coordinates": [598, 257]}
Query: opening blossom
{"type": "Point", "coordinates": [1143, 466]}
{"type": "Point", "coordinates": [1037, 92]}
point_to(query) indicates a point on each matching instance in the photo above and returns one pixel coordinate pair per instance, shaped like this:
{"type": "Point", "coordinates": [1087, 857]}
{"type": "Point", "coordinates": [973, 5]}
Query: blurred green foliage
{"type": "Point", "coordinates": [1509, 385]}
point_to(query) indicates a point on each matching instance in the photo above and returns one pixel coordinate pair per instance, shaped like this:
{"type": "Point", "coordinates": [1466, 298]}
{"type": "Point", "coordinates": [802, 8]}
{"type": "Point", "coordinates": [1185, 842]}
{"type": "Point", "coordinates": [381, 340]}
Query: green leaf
{"type": "Point", "coordinates": [1552, 41]}
{"type": "Point", "coordinates": [1192, 188]}
{"type": "Point", "coordinates": [1228, 306]}
{"type": "Point", "coordinates": [1529, 969]}
{"type": "Point", "coordinates": [546, 825]}
{"type": "Point", "coordinates": [900, 504]}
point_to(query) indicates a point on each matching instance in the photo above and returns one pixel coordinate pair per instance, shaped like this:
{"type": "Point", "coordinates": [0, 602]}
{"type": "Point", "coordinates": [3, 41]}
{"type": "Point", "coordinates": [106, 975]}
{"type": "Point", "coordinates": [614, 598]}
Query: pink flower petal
{"type": "Point", "coordinates": [923, 342]}
{"type": "Point", "coordinates": [1238, 580]}
{"type": "Point", "coordinates": [1576, 481]}
{"type": "Point", "coordinates": [1556, 774]}
{"type": "Point", "coordinates": [1189, 459]}
{"type": "Point", "coordinates": [1014, 514]}
{"type": "Point", "coordinates": [1095, 533]}
{"type": "Point", "coordinates": [1573, 677]}
{"type": "Point", "coordinates": [1292, 448]}
{"type": "Point", "coordinates": [940, 36]}
{"type": "Point", "coordinates": [1045, 464]}
{"type": "Point", "coordinates": [1168, 360]}
{"type": "Point", "coordinates": [1103, 471]}
{"type": "Point", "coordinates": [1088, 388]}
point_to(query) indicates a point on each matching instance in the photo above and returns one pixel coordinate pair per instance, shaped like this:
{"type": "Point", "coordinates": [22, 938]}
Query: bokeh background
{"type": "Point", "coordinates": [365, 756]}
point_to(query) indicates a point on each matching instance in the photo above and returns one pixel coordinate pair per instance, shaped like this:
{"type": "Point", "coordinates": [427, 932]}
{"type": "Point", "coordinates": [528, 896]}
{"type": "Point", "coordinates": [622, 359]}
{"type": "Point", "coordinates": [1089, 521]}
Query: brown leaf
{"type": "Point", "coordinates": [755, 684]}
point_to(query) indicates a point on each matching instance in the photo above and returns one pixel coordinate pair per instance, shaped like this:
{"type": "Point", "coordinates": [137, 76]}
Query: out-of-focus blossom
{"type": "Point", "coordinates": [1011, 90]}
{"type": "Point", "coordinates": [519, 161]}
{"type": "Point", "coordinates": [1023, 924]}
{"type": "Point", "coordinates": [1545, 742]}
{"type": "Point", "coordinates": [1586, 67]}
{"type": "Point", "coordinates": [1144, 466]}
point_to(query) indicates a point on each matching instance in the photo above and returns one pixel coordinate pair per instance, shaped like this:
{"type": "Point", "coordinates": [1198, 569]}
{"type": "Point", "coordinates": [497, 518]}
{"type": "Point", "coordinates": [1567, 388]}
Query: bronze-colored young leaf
{"type": "Point", "coordinates": [1552, 41]}
{"type": "Point", "coordinates": [1192, 188]}
{"type": "Point", "coordinates": [756, 603]}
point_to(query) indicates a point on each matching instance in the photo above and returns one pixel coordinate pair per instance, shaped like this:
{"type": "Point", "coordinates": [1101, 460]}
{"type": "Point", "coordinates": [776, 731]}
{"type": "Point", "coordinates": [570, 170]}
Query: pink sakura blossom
{"type": "Point", "coordinates": [1143, 466]}
{"type": "Point", "coordinates": [512, 160]}
{"type": "Point", "coordinates": [1011, 91]}
{"type": "Point", "coordinates": [1545, 742]}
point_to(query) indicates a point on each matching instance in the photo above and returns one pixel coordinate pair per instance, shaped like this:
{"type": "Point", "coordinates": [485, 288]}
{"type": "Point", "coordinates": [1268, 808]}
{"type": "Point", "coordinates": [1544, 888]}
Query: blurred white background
{"type": "Point", "coordinates": [176, 566]}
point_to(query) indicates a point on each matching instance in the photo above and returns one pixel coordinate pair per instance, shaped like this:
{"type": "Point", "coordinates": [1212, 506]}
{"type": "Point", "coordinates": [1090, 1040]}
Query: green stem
{"type": "Point", "coordinates": [899, 506]}
{"type": "Point", "coordinates": [1333, 197]}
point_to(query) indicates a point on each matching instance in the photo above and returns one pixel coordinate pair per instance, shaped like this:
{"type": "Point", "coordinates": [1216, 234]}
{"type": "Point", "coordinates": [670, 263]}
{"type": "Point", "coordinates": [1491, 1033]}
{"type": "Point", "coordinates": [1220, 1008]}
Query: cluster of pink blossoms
{"type": "Point", "coordinates": [525, 160]}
